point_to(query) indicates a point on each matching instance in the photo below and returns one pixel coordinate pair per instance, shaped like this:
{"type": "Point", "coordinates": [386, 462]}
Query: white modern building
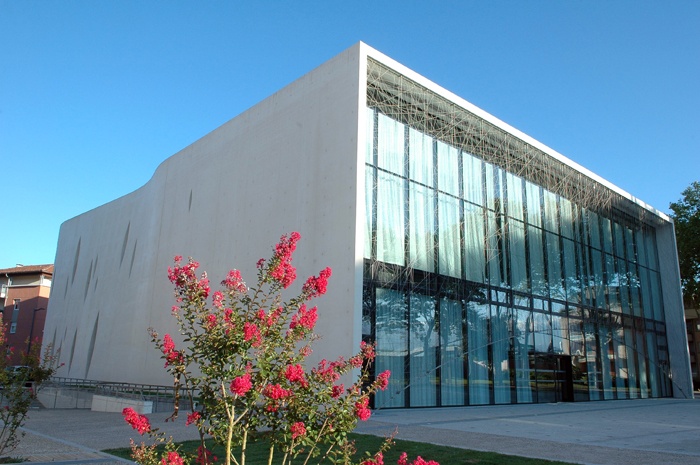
{"type": "Point", "coordinates": [487, 267]}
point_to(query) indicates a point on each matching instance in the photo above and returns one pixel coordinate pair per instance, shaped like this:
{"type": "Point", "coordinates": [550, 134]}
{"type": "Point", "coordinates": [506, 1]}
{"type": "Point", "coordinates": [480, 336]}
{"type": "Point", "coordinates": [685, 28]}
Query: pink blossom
{"type": "Point", "coordinates": [139, 422]}
{"type": "Point", "coordinates": [357, 361]}
{"type": "Point", "coordinates": [276, 392]}
{"type": "Point", "coordinates": [305, 351]}
{"type": "Point", "coordinates": [377, 460]}
{"type": "Point", "coordinates": [337, 391]}
{"type": "Point", "coordinates": [172, 356]}
{"type": "Point", "coordinates": [367, 350]}
{"type": "Point", "coordinates": [316, 286]}
{"type": "Point", "coordinates": [295, 374]}
{"type": "Point", "coordinates": [298, 429]}
{"type": "Point", "coordinates": [403, 460]}
{"type": "Point", "coordinates": [173, 458]}
{"type": "Point", "coordinates": [383, 379]}
{"type": "Point", "coordinates": [304, 318]}
{"type": "Point", "coordinates": [361, 410]}
{"type": "Point", "coordinates": [193, 417]}
{"type": "Point", "coordinates": [218, 299]}
{"type": "Point", "coordinates": [282, 270]}
{"type": "Point", "coordinates": [329, 372]}
{"type": "Point", "coordinates": [211, 321]}
{"type": "Point", "coordinates": [251, 331]}
{"type": "Point", "coordinates": [241, 385]}
{"type": "Point", "coordinates": [234, 282]}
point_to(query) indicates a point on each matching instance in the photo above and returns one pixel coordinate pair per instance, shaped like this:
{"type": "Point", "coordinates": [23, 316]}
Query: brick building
{"type": "Point", "coordinates": [24, 297]}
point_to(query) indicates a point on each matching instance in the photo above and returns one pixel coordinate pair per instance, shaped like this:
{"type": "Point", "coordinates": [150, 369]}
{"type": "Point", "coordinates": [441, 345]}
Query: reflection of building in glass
{"type": "Point", "coordinates": [486, 267]}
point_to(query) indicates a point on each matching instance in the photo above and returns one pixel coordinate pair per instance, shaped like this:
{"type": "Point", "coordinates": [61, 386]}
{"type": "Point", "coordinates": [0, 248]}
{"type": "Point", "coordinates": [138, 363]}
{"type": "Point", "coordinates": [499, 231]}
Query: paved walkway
{"type": "Point", "coordinates": [632, 432]}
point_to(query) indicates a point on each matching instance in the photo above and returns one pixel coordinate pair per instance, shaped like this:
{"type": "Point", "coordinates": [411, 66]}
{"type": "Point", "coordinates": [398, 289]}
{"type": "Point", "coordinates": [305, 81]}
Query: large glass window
{"type": "Point", "coordinates": [482, 287]}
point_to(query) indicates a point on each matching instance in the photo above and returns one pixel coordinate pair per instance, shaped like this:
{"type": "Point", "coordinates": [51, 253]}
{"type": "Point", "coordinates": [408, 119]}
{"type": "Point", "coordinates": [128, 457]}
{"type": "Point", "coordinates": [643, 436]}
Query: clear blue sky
{"type": "Point", "coordinates": [95, 94]}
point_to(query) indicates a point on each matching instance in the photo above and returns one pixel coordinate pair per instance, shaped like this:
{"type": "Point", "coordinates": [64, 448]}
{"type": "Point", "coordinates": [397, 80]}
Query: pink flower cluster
{"type": "Point", "coordinates": [383, 379]}
{"type": "Point", "coordinates": [329, 372]}
{"type": "Point", "coordinates": [193, 418]}
{"type": "Point", "coordinates": [298, 429]}
{"type": "Point", "coordinates": [367, 351]}
{"type": "Point", "coordinates": [234, 282]}
{"type": "Point", "coordinates": [173, 458]}
{"type": "Point", "coordinates": [139, 422]}
{"type": "Point", "coordinates": [276, 392]}
{"type": "Point", "coordinates": [316, 286]}
{"type": "Point", "coordinates": [283, 272]}
{"type": "Point", "coordinates": [184, 276]}
{"type": "Point", "coordinates": [217, 299]}
{"type": "Point", "coordinates": [337, 390]}
{"type": "Point", "coordinates": [295, 374]}
{"type": "Point", "coordinates": [252, 332]}
{"type": "Point", "coordinates": [362, 410]}
{"type": "Point", "coordinates": [269, 319]}
{"type": "Point", "coordinates": [403, 460]}
{"type": "Point", "coordinates": [304, 318]}
{"type": "Point", "coordinates": [172, 356]}
{"type": "Point", "coordinates": [241, 385]}
{"type": "Point", "coordinates": [377, 460]}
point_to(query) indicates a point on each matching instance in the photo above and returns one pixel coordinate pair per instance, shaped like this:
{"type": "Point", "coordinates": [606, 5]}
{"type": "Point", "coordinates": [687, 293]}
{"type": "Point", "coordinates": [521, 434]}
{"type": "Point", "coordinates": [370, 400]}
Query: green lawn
{"type": "Point", "coordinates": [257, 453]}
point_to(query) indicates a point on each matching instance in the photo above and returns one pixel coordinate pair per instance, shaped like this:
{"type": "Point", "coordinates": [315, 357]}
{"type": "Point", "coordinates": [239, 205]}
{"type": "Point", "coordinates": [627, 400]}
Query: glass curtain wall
{"type": "Point", "coordinates": [482, 287]}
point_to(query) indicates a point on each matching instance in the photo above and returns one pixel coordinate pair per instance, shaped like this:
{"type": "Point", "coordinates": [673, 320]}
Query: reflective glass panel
{"type": "Point", "coordinates": [514, 186]}
{"type": "Point", "coordinates": [390, 145]}
{"type": "Point", "coordinates": [566, 218]}
{"type": "Point", "coordinates": [473, 179]}
{"type": "Point", "coordinates": [390, 219]}
{"type": "Point", "coordinates": [538, 282]}
{"type": "Point", "coordinates": [449, 236]}
{"type": "Point", "coordinates": [517, 255]}
{"type": "Point", "coordinates": [474, 246]}
{"type": "Point", "coordinates": [554, 269]}
{"type": "Point", "coordinates": [551, 218]}
{"type": "Point", "coordinates": [452, 356]}
{"type": "Point", "coordinates": [534, 207]}
{"type": "Point", "coordinates": [448, 169]}
{"type": "Point", "coordinates": [478, 340]}
{"type": "Point", "coordinates": [500, 340]}
{"type": "Point", "coordinates": [422, 227]}
{"type": "Point", "coordinates": [369, 137]}
{"type": "Point", "coordinates": [420, 157]}
{"type": "Point", "coordinates": [392, 346]}
{"type": "Point", "coordinates": [423, 347]}
{"type": "Point", "coordinates": [369, 214]}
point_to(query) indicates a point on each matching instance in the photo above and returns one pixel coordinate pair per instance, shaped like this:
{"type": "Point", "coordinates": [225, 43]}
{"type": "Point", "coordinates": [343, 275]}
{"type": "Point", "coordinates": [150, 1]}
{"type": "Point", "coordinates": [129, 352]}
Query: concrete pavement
{"type": "Point", "coordinates": [628, 432]}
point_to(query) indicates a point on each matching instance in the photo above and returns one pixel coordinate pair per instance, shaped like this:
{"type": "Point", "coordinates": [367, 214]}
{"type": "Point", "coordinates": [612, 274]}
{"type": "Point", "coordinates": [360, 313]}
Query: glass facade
{"type": "Point", "coordinates": [482, 287]}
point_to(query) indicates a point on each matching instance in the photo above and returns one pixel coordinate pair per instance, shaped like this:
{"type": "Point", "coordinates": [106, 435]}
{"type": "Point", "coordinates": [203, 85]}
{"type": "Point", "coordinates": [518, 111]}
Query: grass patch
{"type": "Point", "coordinates": [257, 453]}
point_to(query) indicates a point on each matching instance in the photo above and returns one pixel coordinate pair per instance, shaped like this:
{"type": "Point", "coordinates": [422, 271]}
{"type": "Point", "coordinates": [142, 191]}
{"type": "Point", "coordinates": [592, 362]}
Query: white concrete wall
{"type": "Point", "coordinates": [679, 358]}
{"type": "Point", "coordinates": [288, 164]}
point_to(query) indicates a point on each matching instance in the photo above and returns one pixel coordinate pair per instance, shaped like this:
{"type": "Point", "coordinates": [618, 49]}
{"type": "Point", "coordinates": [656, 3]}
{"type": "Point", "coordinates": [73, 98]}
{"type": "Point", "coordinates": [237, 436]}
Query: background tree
{"type": "Point", "coordinates": [686, 215]}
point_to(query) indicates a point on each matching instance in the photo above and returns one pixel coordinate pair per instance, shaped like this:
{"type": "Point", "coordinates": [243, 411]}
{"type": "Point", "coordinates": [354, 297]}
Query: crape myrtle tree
{"type": "Point", "coordinates": [243, 367]}
{"type": "Point", "coordinates": [686, 215]}
{"type": "Point", "coordinates": [18, 387]}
